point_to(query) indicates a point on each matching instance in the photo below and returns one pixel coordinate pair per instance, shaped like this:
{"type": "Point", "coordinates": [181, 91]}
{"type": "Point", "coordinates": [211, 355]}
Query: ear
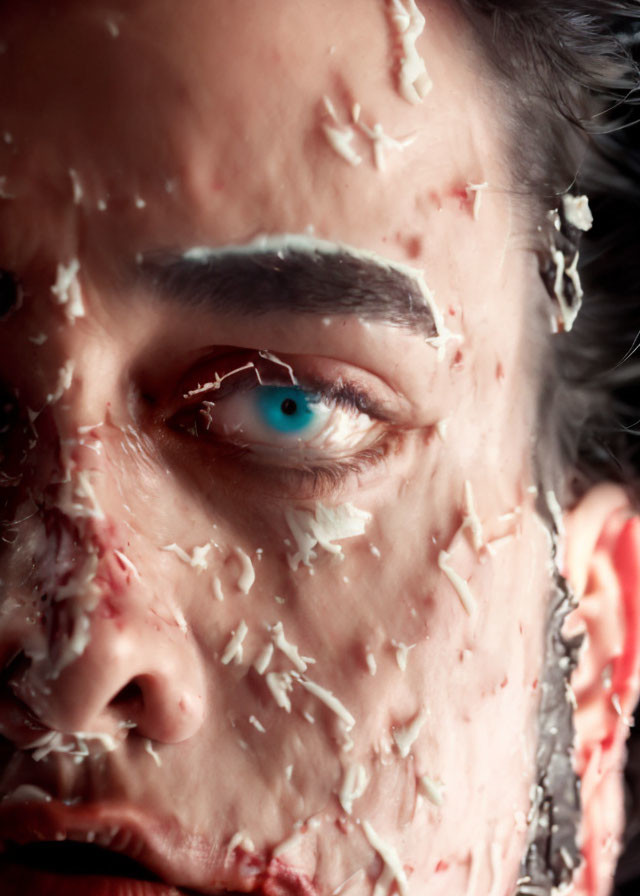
{"type": "Point", "coordinates": [602, 551]}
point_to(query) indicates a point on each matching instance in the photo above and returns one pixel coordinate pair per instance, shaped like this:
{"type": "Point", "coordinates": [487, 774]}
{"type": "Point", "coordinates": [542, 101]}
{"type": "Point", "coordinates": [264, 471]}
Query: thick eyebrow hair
{"type": "Point", "coordinates": [255, 281]}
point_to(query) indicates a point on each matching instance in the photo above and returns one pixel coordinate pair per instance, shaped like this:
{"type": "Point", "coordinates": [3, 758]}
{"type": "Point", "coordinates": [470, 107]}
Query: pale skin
{"type": "Point", "coordinates": [176, 138]}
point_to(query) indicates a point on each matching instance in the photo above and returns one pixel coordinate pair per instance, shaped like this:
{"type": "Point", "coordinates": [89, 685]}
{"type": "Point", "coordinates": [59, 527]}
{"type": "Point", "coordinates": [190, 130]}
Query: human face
{"type": "Point", "coordinates": [145, 529]}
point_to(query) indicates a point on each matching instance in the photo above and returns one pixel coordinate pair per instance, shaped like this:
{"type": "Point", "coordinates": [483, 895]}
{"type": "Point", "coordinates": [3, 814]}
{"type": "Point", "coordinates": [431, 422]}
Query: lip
{"type": "Point", "coordinates": [182, 862]}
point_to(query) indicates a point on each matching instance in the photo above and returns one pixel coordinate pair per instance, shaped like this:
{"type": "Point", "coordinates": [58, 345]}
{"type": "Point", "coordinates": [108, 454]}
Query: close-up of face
{"type": "Point", "coordinates": [280, 560]}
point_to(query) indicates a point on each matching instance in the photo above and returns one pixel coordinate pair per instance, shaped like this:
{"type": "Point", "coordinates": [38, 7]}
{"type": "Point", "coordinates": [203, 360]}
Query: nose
{"type": "Point", "coordinates": [102, 651]}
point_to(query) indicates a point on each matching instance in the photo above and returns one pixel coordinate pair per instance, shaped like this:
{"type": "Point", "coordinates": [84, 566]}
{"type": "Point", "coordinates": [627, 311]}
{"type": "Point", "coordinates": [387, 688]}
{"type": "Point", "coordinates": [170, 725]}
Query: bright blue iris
{"type": "Point", "coordinates": [285, 408]}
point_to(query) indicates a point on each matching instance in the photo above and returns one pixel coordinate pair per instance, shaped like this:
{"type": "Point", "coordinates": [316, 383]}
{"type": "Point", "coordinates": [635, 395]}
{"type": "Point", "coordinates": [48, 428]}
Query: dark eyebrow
{"type": "Point", "coordinates": [290, 281]}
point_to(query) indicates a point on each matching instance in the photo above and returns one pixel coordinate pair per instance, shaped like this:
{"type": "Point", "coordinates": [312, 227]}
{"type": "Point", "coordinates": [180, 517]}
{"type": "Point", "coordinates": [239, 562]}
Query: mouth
{"type": "Point", "coordinates": [50, 849]}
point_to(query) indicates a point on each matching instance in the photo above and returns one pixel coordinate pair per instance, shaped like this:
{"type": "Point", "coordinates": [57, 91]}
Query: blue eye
{"type": "Point", "coordinates": [286, 409]}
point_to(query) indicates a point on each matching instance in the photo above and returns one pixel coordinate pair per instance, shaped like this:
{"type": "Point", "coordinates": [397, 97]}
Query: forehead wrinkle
{"type": "Point", "coordinates": [294, 279]}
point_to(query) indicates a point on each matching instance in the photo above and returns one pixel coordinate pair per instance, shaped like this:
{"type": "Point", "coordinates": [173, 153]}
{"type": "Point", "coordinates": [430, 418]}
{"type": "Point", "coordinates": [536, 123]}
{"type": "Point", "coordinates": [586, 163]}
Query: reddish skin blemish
{"type": "Point", "coordinates": [413, 246]}
{"type": "Point", "coordinates": [504, 682]}
{"type": "Point", "coordinates": [499, 372]}
{"type": "Point", "coordinates": [283, 881]}
{"type": "Point", "coordinates": [442, 866]}
{"type": "Point", "coordinates": [458, 361]}
{"type": "Point", "coordinates": [463, 196]}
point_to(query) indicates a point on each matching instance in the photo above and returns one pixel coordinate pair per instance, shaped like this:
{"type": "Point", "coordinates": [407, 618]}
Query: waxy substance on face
{"type": "Point", "coordinates": [280, 652]}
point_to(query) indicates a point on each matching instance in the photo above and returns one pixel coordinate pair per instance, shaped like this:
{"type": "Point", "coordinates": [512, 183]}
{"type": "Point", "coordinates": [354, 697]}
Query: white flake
{"type": "Point", "coordinates": [441, 428]}
{"type": "Point", "coordinates": [233, 650]}
{"type": "Point", "coordinates": [406, 737]}
{"type": "Point", "coordinates": [382, 142]}
{"type": "Point", "coordinates": [148, 746]}
{"type": "Point", "coordinates": [471, 520]}
{"type": "Point", "coordinates": [339, 136]}
{"type": "Point", "coordinates": [197, 559]}
{"type": "Point", "coordinates": [247, 572]}
{"type": "Point", "coordinates": [290, 650]}
{"type": "Point", "coordinates": [76, 186]}
{"type": "Point", "coordinates": [477, 190]}
{"type": "Point", "coordinates": [257, 724]}
{"type": "Point", "coordinates": [127, 564]}
{"type": "Point", "coordinates": [577, 212]}
{"type": "Point", "coordinates": [433, 790]}
{"type": "Point", "coordinates": [65, 378]}
{"type": "Point", "coordinates": [393, 870]}
{"type": "Point", "coordinates": [330, 701]}
{"type": "Point", "coordinates": [213, 385]}
{"type": "Point", "coordinates": [402, 653]}
{"type": "Point", "coordinates": [461, 586]}
{"type": "Point", "coordinates": [38, 339]}
{"type": "Point", "coordinates": [269, 356]}
{"type": "Point", "coordinates": [75, 744]}
{"type": "Point", "coordinates": [263, 659]}
{"type": "Point", "coordinates": [370, 660]}
{"type": "Point", "coordinates": [354, 785]}
{"type": "Point", "coordinates": [27, 793]}
{"type": "Point", "coordinates": [112, 28]}
{"type": "Point", "coordinates": [280, 684]}
{"type": "Point", "coordinates": [91, 509]}
{"type": "Point", "coordinates": [67, 290]}
{"type": "Point", "coordinates": [217, 588]}
{"type": "Point", "coordinates": [414, 81]}
{"type": "Point", "coordinates": [323, 527]}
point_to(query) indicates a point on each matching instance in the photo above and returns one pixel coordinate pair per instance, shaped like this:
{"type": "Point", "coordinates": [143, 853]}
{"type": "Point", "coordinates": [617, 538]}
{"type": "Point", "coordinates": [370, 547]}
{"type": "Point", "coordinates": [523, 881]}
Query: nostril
{"type": "Point", "coordinates": [130, 698]}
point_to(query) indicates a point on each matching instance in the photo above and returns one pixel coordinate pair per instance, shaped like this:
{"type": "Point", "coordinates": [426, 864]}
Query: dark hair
{"type": "Point", "coordinates": [572, 87]}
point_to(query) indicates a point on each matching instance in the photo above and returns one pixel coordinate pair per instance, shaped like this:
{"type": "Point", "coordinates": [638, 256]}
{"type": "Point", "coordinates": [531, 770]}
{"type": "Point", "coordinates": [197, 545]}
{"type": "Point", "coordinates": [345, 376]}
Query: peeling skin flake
{"type": "Point", "coordinates": [148, 746]}
{"type": "Point", "coordinates": [67, 290]}
{"type": "Point", "coordinates": [263, 659]}
{"type": "Point", "coordinates": [354, 784]}
{"type": "Point", "coordinates": [392, 871]}
{"type": "Point", "coordinates": [197, 558]}
{"type": "Point", "coordinates": [217, 588]}
{"type": "Point", "coordinates": [477, 190]}
{"type": "Point", "coordinates": [247, 573]}
{"type": "Point", "coordinates": [65, 378]}
{"type": "Point", "coordinates": [471, 521]}
{"type": "Point", "coordinates": [577, 212]}
{"type": "Point", "coordinates": [233, 650]}
{"type": "Point", "coordinates": [568, 313]}
{"type": "Point", "coordinates": [75, 744]}
{"type": "Point", "coordinates": [382, 142]}
{"type": "Point", "coordinates": [85, 492]}
{"type": "Point", "coordinates": [323, 527]}
{"type": "Point", "coordinates": [127, 564]}
{"type": "Point", "coordinates": [414, 82]}
{"type": "Point", "coordinates": [27, 793]}
{"type": "Point", "coordinates": [218, 380]}
{"type": "Point", "coordinates": [290, 650]}
{"type": "Point", "coordinates": [296, 242]}
{"type": "Point", "coordinates": [407, 736]}
{"type": "Point", "coordinates": [257, 724]}
{"type": "Point", "coordinates": [433, 790]}
{"type": "Point", "coordinates": [280, 684]}
{"type": "Point", "coordinates": [402, 653]}
{"type": "Point", "coordinates": [339, 136]}
{"type": "Point", "coordinates": [330, 701]}
{"type": "Point", "coordinates": [76, 186]}
{"type": "Point", "coordinates": [463, 591]}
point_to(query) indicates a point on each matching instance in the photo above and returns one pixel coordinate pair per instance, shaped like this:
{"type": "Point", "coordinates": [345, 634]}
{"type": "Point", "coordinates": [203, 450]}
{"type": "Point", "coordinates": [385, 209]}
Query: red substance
{"type": "Point", "coordinates": [463, 195]}
{"type": "Point", "coordinates": [283, 881]}
{"type": "Point", "coordinates": [442, 866]}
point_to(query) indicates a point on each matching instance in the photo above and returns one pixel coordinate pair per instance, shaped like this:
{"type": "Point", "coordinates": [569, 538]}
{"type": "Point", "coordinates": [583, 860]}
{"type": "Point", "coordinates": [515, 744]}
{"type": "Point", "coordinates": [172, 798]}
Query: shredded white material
{"type": "Point", "coordinates": [127, 564]}
{"type": "Point", "coordinates": [148, 746]}
{"type": "Point", "coordinates": [38, 339]}
{"type": "Point", "coordinates": [263, 659]}
{"type": "Point", "coordinates": [217, 379]}
{"type": "Point", "coordinates": [112, 28]}
{"type": "Point", "coordinates": [381, 142]}
{"type": "Point", "coordinates": [67, 289]}
{"type": "Point", "coordinates": [269, 356]}
{"type": "Point", "coordinates": [441, 428]}
{"type": "Point", "coordinates": [393, 870]}
{"type": "Point", "coordinates": [330, 701]}
{"type": "Point", "coordinates": [290, 650]}
{"type": "Point", "coordinates": [461, 587]}
{"type": "Point", "coordinates": [339, 136]}
{"type": "Point", "coordinates": [433, 790]}
{"type": "Point", "coordinates": [197, 559]}
{"type": "Point", "coordinates": [372, 666]}
{"type": "Point", "coordinates": [553, 505]}
{"type": "Point", "coordinates": [75, 744]}
{"type": "Point", "coordinates": [257, 724]}
{"type": "Point", "coordinates": [280, 684]}
{"type": "Point", "coordinates": [323, 527]}
{"type": "Point", "coordinates": [577, 212]}
{"type": "Point", "coordinates": [242, 840]}
{"type": "Point", "coordinates": [406, 737]}
{"type": "Point", "coordinates": [471, 520]}
{"type": "Point", "coordinates": [568, 313]}
{"type": "Point", "coordinates": [217, 588]}
{"type": "Point", "coordinates": [247, 572]}
{"type": "Point", "coordinates": [65, 378]}
{"type": "Point", "coordinates": [84, 490]}
{"type": "Point", "coordinates": [297, 242]}
{"type": "Point", "coordinates": [76, 186]}
{"type": "Point", "coordinates": [414, 82]}
{"type": "Point", "coordinates": [477, 190]}
{"type": "Point", "coordinates": [354, 784]}
{"type": "Point", "coordinates": [402, 653]}
{"type": "Point", "coordinates": [233, 650]}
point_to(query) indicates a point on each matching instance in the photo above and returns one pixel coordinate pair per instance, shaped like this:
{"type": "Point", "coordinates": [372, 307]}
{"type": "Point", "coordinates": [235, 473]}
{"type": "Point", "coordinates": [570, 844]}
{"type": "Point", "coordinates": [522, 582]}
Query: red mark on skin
{"type": "Point", "coordinates": [499, 372]}
{"type": "Point", "coordinates": [108, 609]}
{"type": "Point", "coordinates": [283, 881]}
{"type": "Point", "coordinates": [504, 682]}
{"type": "Point", "coordinates": [534, 686]}
{"type": "Point", "coordinates": [463, 196]}
{"type": "Point", "coordinates": [436, 199]}
{"type": "Point", "coordinates": [442, 866]}
{"type": "Point", "coordinates": [413, 246]}
{"type": "Point", "coordinates": [451, 311]}
{"type": "Point", "coordinates": [458, 361]}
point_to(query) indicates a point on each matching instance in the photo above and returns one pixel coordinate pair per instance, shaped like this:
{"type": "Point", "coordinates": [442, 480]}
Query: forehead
{"type": "Point", "coordinates": [211, 114]}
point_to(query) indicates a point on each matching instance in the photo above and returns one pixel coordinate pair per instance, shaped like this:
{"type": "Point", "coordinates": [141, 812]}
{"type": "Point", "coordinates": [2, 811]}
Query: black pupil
{"type": "Point", "coordinates": [8, 292]}
{"type": "Point", "coordinates": [289, 407]}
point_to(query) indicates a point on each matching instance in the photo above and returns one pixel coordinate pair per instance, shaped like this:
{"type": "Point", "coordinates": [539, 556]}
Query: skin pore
{"type": "Point", "coordinates": [395, 747]}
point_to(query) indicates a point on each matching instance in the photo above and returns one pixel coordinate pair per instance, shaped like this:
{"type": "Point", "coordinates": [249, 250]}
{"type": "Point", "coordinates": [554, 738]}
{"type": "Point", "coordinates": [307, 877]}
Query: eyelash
{"type": "Point", "coordinates": [314, 479]}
